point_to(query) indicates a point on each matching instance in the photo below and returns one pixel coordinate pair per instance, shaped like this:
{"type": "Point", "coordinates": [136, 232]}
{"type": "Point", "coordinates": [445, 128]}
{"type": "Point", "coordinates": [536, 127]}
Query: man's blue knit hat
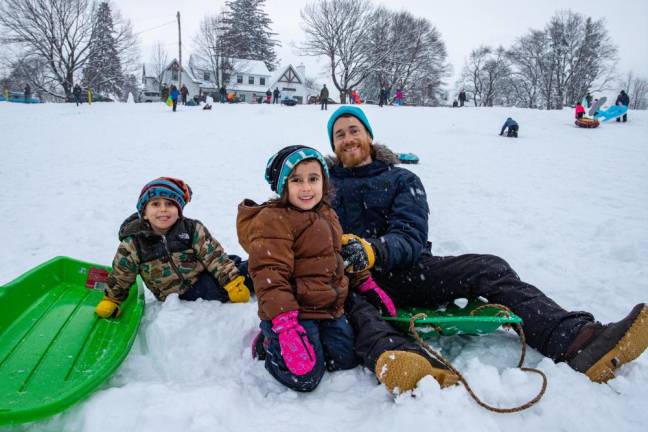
{"type": "Point", "coordinates": [348, 110]}
{"type": "Point", "coordinates": [281, 164]}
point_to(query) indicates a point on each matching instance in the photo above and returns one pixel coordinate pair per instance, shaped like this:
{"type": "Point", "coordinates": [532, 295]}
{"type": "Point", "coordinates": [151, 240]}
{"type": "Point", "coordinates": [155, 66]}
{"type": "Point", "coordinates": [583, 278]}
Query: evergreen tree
{"type": "Point", "coordinates": [103, 71]}
{"type": "Point", "coordinates": [248, 33]}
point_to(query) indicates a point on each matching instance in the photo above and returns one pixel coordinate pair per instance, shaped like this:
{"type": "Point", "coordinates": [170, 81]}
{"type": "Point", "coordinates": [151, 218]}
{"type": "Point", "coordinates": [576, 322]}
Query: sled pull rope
{"type": "Point", "coordinates": [446, 363]}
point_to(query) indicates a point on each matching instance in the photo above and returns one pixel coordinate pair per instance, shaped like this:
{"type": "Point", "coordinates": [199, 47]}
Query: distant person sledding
{"type": "Point", "coordinates": [581, 119]}
{"type": "Point", "coordinates": [511, 127]}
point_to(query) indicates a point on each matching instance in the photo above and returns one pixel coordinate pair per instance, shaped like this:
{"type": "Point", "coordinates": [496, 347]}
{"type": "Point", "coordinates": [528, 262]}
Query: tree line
{"type": "Point", "coordinates": [550, 68]}
{"type": "Point", "coordinates": [54, 44]}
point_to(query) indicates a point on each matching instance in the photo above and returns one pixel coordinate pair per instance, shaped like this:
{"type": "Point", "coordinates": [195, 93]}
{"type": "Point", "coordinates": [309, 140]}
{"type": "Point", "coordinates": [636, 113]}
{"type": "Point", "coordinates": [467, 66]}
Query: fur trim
{"type": "Point", "coordinates": [383, 153]}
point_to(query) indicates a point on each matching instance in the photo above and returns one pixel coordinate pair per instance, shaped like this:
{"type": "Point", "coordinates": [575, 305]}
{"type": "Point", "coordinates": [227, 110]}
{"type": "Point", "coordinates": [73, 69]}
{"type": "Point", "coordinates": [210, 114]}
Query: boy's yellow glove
{"type": "Point", "coordinates": [108, 307]}
{"type": "Point", "coordinates": [237, 291]}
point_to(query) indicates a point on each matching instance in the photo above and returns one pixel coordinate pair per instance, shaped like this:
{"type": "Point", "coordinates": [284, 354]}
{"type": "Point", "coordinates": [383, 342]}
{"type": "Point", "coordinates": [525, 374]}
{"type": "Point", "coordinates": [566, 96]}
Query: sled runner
{"type": "Point", "coordinates": [54, 350]}
{"type": "Point", "coordinates": [408, 158]}
{"type": "Point", "coordinates": [475, 318]}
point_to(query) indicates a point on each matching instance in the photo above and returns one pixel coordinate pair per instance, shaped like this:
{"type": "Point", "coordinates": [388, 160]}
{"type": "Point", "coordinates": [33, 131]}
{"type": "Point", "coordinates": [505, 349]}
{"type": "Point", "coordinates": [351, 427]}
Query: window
{"type": "Point", "coordinates": [206, 75]}
{"type": "Point", "coordinates": [239, 79]}
{"type": "Point", "coordinates": [174, 75]}
{"type": "Point", "coordinates": [251, 80]}
{"type": "Point", "coordinates": [262, 81]}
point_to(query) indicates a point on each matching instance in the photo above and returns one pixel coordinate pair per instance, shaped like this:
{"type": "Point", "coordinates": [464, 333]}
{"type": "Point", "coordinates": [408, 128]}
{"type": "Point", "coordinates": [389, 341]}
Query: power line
{"type": "Point", "coordinates": [156, 27]}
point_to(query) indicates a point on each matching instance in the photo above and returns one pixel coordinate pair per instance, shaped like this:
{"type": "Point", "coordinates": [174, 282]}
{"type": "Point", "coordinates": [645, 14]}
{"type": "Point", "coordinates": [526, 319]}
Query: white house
{"type": "Point", "coordinates": [171, 74]}
{"type": "Point", "coordinates": [249, 78]}
{"type": "Point", "coordinates": [291, 82]}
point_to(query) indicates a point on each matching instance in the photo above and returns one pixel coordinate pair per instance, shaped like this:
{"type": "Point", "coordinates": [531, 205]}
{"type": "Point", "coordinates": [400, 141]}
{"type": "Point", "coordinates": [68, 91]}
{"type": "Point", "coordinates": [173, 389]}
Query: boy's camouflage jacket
{"type": "Point", "coordinates": [170, 263]}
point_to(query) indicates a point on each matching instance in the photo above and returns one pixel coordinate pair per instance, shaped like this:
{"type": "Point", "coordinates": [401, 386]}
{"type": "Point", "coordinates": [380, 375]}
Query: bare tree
{"type": "Point", "coordinates": [413, 56]}
{"type": "Point", "coordinates": [340, 31]}
{"type": "Point", "coordinates": [57, 32]}
{"type": "Point", "coordinates": [484, 75]}
{"type": "Point", "coordinates": [211, 44]}
{"type": "Point", "coordinates": [159, 59]}
{"type": "Point", "coordinates": [637, 89]}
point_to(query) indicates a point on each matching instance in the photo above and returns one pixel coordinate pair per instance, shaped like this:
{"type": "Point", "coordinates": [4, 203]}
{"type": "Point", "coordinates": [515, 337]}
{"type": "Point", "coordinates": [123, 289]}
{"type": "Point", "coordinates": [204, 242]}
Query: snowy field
{"type": "Point", "coordinates": [567, 207]}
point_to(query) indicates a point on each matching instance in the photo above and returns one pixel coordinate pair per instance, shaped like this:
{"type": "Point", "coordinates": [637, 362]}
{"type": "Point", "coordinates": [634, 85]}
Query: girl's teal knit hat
{"type": "Point", "coordinates": [281, 164]}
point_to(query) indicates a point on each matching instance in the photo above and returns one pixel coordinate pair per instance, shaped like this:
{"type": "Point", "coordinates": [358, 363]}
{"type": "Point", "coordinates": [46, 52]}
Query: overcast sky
{"type": "Point", "coordinates": [464, 25]}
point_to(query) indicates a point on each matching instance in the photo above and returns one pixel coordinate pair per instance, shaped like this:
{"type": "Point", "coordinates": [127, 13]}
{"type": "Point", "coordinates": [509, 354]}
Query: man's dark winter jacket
{"type": "Point", "coordinates": [386, 205]}
{"type": "Point", "coordinates": [623, 99]}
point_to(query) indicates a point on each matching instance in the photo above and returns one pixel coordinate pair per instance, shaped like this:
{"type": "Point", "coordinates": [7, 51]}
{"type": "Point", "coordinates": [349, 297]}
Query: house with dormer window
{"type": "Point", "coordinates": [291, 82]}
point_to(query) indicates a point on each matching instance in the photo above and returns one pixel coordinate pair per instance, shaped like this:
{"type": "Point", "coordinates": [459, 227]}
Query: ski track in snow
{"type": "Point", "coordinates": [566, 207]}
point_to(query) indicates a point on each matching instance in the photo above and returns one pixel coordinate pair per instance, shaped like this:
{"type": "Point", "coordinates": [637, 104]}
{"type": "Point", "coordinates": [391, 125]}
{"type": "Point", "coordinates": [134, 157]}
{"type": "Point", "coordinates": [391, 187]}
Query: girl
{"type": "Point", "coordinates": [294, 243]}
{"type": "Point", "coordinates": [172, 253]}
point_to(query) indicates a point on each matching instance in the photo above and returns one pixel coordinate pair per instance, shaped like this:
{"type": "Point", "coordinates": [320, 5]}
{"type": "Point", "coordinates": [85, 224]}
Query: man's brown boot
{"type": "Point", "coordinates": [400, 371]}
{"type": "Point", "coordinates": [598, 350]}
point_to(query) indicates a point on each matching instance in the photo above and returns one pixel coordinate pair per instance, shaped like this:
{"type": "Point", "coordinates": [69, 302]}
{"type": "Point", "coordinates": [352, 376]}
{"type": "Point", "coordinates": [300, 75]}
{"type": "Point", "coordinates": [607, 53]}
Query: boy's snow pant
{"type": "Point", "coordinates": [175, 104]}
{"type": "Point", "coordinates": [208, 288]}
{"type": "Point", "coordinates": [332, 341]}
{"type": "Point", "coordinates": [435, 280]}
{"type": "Point", "coordinates": [373, 335]}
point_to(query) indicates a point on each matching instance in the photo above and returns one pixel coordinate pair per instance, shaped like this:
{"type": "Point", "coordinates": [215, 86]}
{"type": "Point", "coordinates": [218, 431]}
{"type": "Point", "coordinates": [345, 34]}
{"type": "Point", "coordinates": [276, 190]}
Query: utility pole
{"type": "Point", "coordinates": [179, 53]}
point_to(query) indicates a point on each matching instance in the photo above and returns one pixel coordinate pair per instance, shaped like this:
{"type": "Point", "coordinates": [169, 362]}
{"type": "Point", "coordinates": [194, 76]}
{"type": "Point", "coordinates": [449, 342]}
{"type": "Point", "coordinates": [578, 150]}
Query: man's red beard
{"type": "Point", "coordinates": [354, 158]}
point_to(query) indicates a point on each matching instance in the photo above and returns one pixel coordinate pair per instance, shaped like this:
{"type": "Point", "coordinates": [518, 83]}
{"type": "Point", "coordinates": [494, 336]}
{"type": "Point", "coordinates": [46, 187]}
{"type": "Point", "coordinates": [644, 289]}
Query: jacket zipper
{"type": "Point", "coordinates": [185, 283]}
{"type": "Point", "coordinates": [333, 284]}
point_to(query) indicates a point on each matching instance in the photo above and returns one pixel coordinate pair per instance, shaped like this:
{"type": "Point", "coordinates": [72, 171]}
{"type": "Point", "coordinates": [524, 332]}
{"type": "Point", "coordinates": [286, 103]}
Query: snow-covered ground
{"type": "Point", "coordinates": [567, 207]}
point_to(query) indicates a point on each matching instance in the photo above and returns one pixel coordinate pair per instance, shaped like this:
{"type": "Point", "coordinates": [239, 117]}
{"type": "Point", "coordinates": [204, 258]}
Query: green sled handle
{"type": "Point", "coordinates": [475, 318]}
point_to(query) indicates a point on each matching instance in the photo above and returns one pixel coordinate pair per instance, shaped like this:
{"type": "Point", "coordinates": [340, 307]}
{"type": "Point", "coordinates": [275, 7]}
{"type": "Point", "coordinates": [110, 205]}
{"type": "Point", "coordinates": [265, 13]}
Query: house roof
{"type": "Point", "coordinates": [250, 67]}
{"type": "Point", "coordinates": [185, 70]}
{"type": "Point", "coordinates": [148, 70]}
{"type": "Point", "coordinates": [280, 72]}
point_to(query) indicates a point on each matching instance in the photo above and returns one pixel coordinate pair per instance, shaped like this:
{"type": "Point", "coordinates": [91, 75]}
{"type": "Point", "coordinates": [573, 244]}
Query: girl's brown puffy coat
{"type": "Point", "coordinates": [294, 259]}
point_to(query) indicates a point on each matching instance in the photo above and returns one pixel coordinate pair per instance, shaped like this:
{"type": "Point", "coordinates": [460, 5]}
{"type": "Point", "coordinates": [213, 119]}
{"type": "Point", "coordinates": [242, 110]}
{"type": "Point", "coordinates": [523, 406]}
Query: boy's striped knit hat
{"type": "Point", "coordinates": [172, 189]}
{"type": "Point", "coordinates": [281, 164]}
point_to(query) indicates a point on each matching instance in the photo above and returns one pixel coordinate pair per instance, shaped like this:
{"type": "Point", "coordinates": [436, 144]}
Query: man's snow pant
{"type": "Point", "coordinates": [332, 341]}
{"type": "Point", "coordinates": [374, 335]}
{"type": "Point", "coordinates": [435, 281]}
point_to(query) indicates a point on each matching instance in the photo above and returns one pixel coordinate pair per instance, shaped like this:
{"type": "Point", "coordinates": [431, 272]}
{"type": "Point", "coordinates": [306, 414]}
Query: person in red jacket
{"type": "Point", "coordinates": [580, 110]}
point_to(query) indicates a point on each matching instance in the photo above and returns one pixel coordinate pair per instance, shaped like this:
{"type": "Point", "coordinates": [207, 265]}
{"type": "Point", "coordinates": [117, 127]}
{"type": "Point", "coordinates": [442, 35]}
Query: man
{"type": "Point", "coordinates": [623, 99]}
{"type": "Point", "coordinates": [512, 127]}
{"type": "Point", "coordinates": [76, 92]}
{"type": "Point", "coordinates": [386, 209]}
{"type": "Point", "coordinates": [382, 96]}
{"type": "Point", "coordinates": [275, 96]}
{"type": "Point", "coordinates": [324, 94]}
{"type": "Point", "coordinates": [462, 97]}
{"type": "Point", "coordinates": [27, 92]}
{"type": "Point", "coordinates": [223, 94]}
{"type": "Point", "coordinates": [184, 92]}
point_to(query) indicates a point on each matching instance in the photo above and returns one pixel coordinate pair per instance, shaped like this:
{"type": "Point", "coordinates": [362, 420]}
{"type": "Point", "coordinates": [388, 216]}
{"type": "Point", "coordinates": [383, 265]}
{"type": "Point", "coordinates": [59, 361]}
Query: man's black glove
{"type": "Point", "coordinates": [358, 253]}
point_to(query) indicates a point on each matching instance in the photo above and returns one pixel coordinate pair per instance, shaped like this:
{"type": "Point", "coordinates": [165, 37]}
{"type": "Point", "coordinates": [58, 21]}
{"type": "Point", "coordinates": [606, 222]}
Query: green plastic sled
{"type": "Point", "coordinates": [54, 350]}
{"type": "Point", "coordinates": [454, 320]}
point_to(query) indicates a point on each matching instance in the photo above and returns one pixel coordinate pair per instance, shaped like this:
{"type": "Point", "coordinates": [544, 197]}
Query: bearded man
{"type": "Point", "coordinates": [384, 211]}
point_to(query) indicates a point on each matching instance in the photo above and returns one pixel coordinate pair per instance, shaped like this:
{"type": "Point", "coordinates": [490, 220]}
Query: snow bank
{"type": "Point", "coordinates": [567, 207]}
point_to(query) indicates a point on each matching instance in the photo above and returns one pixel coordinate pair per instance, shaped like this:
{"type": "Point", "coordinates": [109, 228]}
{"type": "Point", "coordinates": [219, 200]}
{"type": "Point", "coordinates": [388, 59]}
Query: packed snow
{"type": "Point", "coordinates": [567, 207]}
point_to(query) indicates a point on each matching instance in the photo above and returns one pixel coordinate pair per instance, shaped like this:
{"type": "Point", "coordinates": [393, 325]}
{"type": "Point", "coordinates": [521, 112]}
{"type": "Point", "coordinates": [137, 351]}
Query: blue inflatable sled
{"type": "Point", "coordinates": [611, 113]}
{"type": "Point", "coordinates": [408, 158]}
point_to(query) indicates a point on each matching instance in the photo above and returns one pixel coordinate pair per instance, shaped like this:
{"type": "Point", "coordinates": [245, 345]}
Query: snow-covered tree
{"type": "Point", "coordinates": [211, 44]}
{"type": "Point", "coordinates": [413, 57]}
{"type": "Point", "coordinates": [247, 32]}
{"type": "Point", "coordinates": [58, 33]}
{"type": "Point", "coordinates": [103, 69]}
{"type": "Point", "coordinates": [484, 75]}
